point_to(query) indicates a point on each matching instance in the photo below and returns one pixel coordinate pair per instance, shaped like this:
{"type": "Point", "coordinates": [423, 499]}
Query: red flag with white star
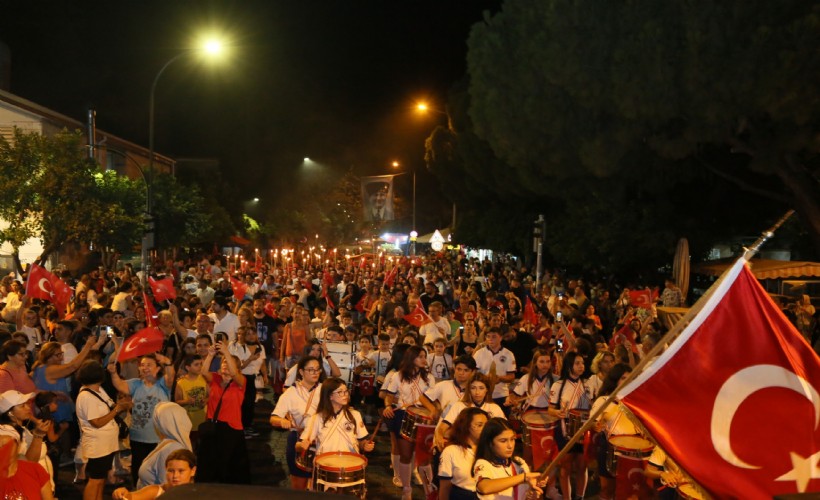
{"type": "Point", "coordinates": [529, 313]}
{"type": "Point", "coordinates": [734, 399]}
{"type": "Point", "coordinates": [418, 317]}
{"type": "Point", "coordinates": [643, 298]}
{"type": "Point", "coordinates": [150, 310]}
{"type": "Point", "coordinates": [44, 285]}
{"type": "Point", "coordinates": [163, 289]}
{"type": "Point", "coordinates": [240, 289]}
{"type": "Point", "coordinates": [146, 341]}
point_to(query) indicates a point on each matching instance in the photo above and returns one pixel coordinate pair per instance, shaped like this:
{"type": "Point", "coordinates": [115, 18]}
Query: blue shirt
{"type": "Point", "coordinates": [145, 399]}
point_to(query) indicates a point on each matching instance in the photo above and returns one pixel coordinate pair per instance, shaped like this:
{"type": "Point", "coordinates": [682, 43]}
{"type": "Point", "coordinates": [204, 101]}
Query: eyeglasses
{"type": "Point", "coordinates": [311, 370]}
{"type": "Point", "coordinates": [341, 393]}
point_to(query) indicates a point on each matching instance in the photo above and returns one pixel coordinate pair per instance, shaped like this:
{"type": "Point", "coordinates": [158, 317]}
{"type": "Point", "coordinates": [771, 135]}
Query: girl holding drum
{"type": "Point", "coordinates": [455, 471]}
{"type": "Point", "coordinates": [533, 389]}
{"type": "Point", "coordinates": [480, 388]}
{"type": "Point", "coordinates": [335, 426]}
{"type": "Point", "coordinates": [406, 389]}
{"type": "Point", "coordinates": [293, 411]}
{"type": "Point", "coordinates": [570, 402]}
{"type": "Point", "coordinates": [498, 474]}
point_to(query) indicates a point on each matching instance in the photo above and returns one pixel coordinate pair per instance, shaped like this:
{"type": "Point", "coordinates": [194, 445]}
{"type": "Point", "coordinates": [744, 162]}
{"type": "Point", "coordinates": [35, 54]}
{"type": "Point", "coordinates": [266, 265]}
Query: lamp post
{"type": "Point", "coordinates": [211, 47]}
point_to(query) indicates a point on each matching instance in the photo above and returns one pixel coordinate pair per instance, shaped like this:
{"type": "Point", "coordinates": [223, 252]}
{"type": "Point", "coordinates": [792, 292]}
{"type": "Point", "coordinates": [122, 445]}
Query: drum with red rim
{"type": "Point", "coordinates": [689, 492]}
{"type": "Point", "coordinates": [415, 415]}
{"type": "Point", "coordinates": [341, 473]}
{"type": "Point", "coordinates": [304, 460]}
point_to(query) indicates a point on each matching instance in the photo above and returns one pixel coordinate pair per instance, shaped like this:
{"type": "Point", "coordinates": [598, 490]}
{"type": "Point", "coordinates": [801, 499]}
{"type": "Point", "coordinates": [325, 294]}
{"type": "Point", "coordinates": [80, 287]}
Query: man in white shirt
{"type": "Point", "coordinates": [224, 320]}
{"type": "Point", "coordinates": [497, 362]}
{"type": "Point", "coordinates": [439, 328]}
{"type": "Point", "coordinates": [205, 293]}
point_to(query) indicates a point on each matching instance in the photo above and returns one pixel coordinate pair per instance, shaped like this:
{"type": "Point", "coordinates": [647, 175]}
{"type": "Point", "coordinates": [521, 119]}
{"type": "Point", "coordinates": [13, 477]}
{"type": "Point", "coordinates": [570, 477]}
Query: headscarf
{"type": "Point", "coordinates": [173, 422]}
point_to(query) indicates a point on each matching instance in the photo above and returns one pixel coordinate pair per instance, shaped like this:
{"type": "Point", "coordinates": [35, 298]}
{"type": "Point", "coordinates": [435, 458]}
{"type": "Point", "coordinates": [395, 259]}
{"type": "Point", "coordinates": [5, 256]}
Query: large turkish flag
{"type": "Point", "coordinates": [41, 284]}
{"type": "Point", "coordinates": [734, 400]}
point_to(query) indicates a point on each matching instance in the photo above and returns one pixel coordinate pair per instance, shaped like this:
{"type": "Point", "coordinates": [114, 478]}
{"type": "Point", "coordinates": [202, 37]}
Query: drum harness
{"type": "Point", "coordinates": [572, 400]}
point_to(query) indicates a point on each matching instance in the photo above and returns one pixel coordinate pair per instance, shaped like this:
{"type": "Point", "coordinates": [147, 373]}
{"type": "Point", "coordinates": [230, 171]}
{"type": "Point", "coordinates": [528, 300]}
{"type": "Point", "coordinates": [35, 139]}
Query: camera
{"type": "Point", "coordinates": [559, 317]}
{"type": "Point", "coordinates": [45, 413]}
{"type": "Point", "coordinates": [220, 337]}
{"type": "Point", "coordinates": [109, 332]}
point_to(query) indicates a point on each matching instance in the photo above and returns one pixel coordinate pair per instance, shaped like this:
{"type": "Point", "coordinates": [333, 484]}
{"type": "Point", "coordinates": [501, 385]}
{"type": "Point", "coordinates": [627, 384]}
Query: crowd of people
{"type": "Point", "coordinates": [470, 370]}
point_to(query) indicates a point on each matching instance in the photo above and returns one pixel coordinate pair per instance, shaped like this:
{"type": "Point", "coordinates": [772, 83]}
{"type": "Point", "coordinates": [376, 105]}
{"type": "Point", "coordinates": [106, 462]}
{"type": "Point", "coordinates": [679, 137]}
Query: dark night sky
{"type": "Point", "coordinates": [335, 80]}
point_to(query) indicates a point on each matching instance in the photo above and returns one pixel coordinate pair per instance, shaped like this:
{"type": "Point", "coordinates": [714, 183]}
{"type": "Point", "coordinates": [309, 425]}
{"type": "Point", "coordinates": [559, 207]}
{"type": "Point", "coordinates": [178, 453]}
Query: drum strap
{"type": "Point", "coordinates": [341, 415]}
{"type": "Point", "coordinates": [532, 397]}
{"type": "Point", "coordinates": [571, 402]}
{"type": "Point", "coordinates": [416, 386]}
{"type": "Point", "coordinates": [307, 407]}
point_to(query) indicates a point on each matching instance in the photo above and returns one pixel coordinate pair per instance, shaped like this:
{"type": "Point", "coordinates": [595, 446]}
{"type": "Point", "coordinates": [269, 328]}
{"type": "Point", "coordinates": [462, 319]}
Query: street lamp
{"type": "Point", "coordinates": [211, 47]}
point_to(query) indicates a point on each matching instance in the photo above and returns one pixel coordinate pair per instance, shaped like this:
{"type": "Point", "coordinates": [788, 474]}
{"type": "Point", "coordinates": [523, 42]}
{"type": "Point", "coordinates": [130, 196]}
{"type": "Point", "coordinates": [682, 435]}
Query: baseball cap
{"type": "Point", "coordinates": [10, 399]}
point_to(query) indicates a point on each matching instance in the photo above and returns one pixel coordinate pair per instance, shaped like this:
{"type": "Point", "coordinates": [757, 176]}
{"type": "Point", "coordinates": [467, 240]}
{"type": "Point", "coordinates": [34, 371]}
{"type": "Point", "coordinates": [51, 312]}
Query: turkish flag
{"type": "Point", "coordinates": [391, 276]}
{"type": "Point", "coordinates": [529, 313]}
{"type": "Point", "coordinates": [240, 288]}
{"type": "Point", "coordinates": [327, 299]}
{"type": "Point", "coordinates": [418, 317]}
{"type": "Point", "coordinates": [360, 304]}
{"type": "Point", "coordinates": [44, 285]}
{"type": "Point", "coordinates": [643, 298]}
{"type": "Point", "coordinates": [146, 341]}
{"type": "Point", "coordinates": [734, 399]}
{"type": "Point", "coordinates": [363, 262]}
{"type": "Point", "coordinates": [150, 310]}
{"type": "Point", "coordinates": [163, 289]}
{"type": "Point", "coordinates": [424, 443]}
{"type": "Point", "coordinates": [544, 446]}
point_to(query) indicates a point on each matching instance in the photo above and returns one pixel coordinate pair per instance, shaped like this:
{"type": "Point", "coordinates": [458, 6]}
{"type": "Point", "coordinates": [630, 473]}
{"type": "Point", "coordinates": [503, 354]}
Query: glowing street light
{"type": "Point", "coordinates": [211, 47]}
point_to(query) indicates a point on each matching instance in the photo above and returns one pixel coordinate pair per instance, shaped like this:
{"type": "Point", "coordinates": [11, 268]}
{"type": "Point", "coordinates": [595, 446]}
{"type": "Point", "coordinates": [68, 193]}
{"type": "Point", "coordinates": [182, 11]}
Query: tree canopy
{"type": "Point", "coordinates": [606, 92]}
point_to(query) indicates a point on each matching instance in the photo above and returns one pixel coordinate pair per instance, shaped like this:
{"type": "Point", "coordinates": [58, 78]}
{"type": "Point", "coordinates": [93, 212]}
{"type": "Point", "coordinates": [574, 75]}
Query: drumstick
{"type": "Point", "coordinates": [376, 430]}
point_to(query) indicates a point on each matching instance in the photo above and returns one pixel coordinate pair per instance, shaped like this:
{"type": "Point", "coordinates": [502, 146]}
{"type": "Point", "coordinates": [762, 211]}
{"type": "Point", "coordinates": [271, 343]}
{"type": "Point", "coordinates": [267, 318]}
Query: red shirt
{"type": "Point", "coordinates": [231, 410]}
{"type": "Point", "coordinates": [26, 483]}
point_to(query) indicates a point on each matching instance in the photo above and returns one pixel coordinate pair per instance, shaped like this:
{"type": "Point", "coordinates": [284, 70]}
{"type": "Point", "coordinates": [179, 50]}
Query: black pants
{"type": "Point", "coordinates": [223, 457]}
{"type": "Point", "coordinates": [138, 453]}
{"type": "Point", "coordinates": [249, 402]}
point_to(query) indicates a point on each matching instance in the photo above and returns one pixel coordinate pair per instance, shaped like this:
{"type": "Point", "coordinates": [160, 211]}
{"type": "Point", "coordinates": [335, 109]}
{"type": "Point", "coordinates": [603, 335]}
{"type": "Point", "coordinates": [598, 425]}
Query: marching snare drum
{"type": "Point", "coordinates": [415, 415]}
{"type": "Point", "coordinates": [575, 420]}
{"type": "Point", "coordinates": [304, 460]}
{"type": "Point", "coordinates": [626, 446]}
{"type": "Point", "coordinates": [536, 419]}
{"type": "Point", "coordinates": [342, 473]}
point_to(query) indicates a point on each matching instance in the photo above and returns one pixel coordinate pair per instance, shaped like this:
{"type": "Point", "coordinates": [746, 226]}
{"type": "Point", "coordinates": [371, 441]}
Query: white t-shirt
{"type": "Point", "coordinates": [538, 395]}
{"type": "Point", "coordinates": [446, 393]}
{"type": "Point", "coordinates": [337, 434]}
{"type": "Point", "coordinates": [488, 470]}
{"type": "Point", "coordinates": [244, 352]}
{"type": "Point", "coordinates": [69, 352]}
{"type": "Point", "coordinates": [96, 442]}
{"type": "Point", "coordinates": [492, 409]}
{"type": "Point", "coordinates": [290, 378]}
{"type": "Point", "coordinates": [228, 324]}
{"type": "Point", "coordinates": [440, 366]}
{"type": "Point", "coordinates": [431, 332]}
{"type": "Point", "coordinates": [408, 392]}
{"type": "Point", "coordinates": [504, 365]}
{"type": "Point", "coordinates": [295, 401]}
{"type": "Point", "coordinates": [379, 360]}
{"type": "Point", "coordinates": [456, 464]}
{"type": "Point", "coordinates": [575, 395]}
{"type": "Point", "coordinates": [33, 335]}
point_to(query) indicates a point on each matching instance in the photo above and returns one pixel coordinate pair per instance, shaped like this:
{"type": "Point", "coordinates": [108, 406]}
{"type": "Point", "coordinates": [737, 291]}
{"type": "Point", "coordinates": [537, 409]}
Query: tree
{"type": "Point", "coordinates": [120, 225]}
{"type": "Point", "coordinates": [49, 190]}
{"type": "Point", "coordinates": [578, 90]}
